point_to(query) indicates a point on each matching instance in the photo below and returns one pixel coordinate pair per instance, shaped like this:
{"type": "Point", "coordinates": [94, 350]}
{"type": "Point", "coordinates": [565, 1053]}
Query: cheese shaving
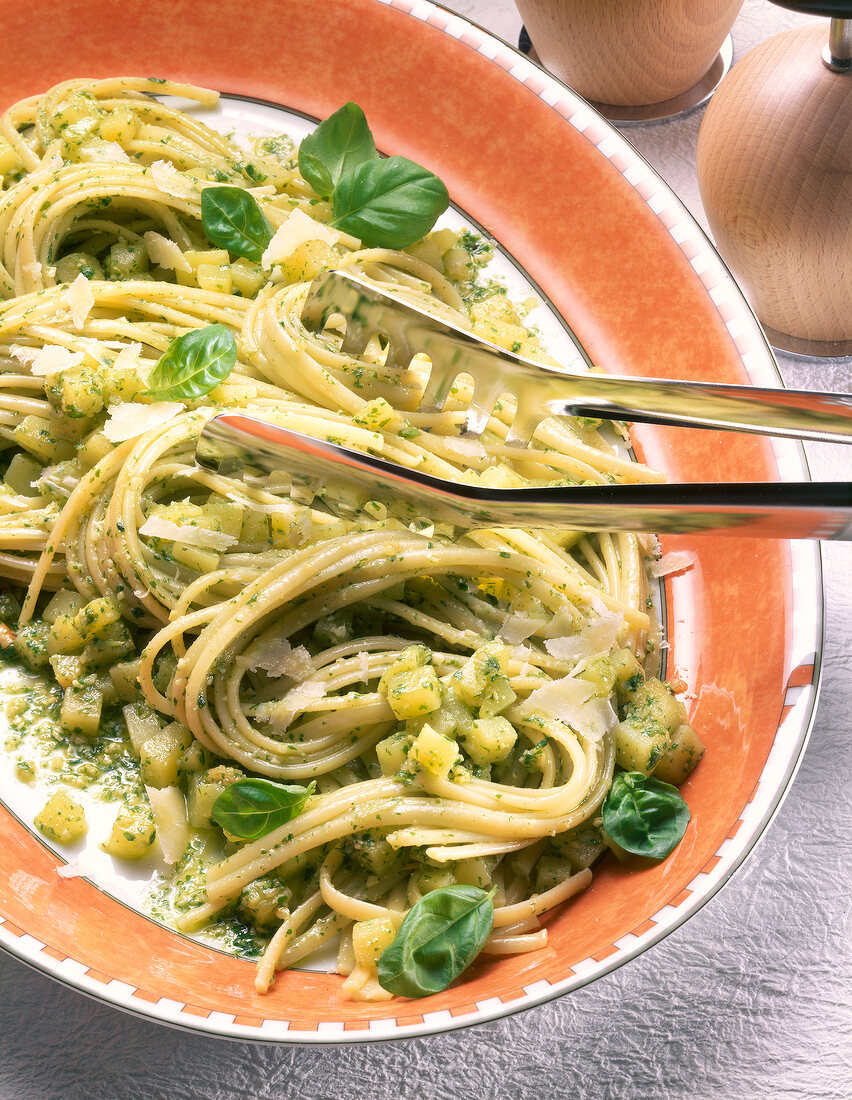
{"type": "Point", "coordinates": [517, 628]}
{"type": "Point", "coordinates": [572, 702]}
{"type": "Point", "coordinates": [160, 528]}
{"type": "Point", "coordinates": [81, 299]}
{"type": "Point", "coordinates": [168, 180]}
{"type": "Point", "coordinates": [279, 658]}
{"type": "Point", "coordinates": [51, 359]}
{"type": "Point", "coordinates": [165, 252]}
{"type": "Point", "coordinates": [296, 230]}
{"type": "Point", "coordinates": [598, 637]}
{"type": "Point", "coordinates": [675, 562]}
{"type": "Point", "coordinates": [128, 419]}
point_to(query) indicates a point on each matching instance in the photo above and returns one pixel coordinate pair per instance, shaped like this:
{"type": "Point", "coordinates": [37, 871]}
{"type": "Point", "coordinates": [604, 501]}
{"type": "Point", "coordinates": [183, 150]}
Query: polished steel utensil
{"type": "Point", "coordinates": [240, 445]}
{"type": "Point", "coordinates": [237, 445]}
{"type": "Point", "coordinates": [543, 390]}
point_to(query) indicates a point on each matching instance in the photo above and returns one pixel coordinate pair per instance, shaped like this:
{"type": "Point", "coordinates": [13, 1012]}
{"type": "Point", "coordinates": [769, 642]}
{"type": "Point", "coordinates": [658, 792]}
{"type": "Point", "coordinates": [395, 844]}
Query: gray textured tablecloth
{"type": "Point", "coordinates": [750, 999]}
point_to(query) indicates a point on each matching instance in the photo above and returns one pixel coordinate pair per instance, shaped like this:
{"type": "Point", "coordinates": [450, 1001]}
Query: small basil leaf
{"type": "Point", "coordinates": [440, 936]}
{"type": "Point", "coordinates": [251, 808]}
{"type": "Point", "coordinates": [232, 219]}
{"type": "Point", "coordinates": [644, 815]}
{"type": "Point", "coordinates": [388, 203]}
{"type": "Point", "coordinates": [194, 364]}
{"type": "Point", "coordinates": [337, 146]}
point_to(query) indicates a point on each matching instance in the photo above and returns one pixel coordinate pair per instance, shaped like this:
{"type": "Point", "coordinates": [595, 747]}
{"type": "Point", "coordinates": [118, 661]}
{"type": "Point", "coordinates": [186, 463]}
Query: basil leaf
{"type": "Point", "coordinates": [337, 146]}
{"type": "Point", "coordinates": [251, 808]}
{"type": "Point", "coordinates": [644, 815]}
{"type": "Point", "coordinates": [232, 219]}
{"type": "Point", "coordinates": [388, 203]}
{"type": "Point", "coordinates": [194, 364]}
{"type": "Point", "coordinates": [440, 936]}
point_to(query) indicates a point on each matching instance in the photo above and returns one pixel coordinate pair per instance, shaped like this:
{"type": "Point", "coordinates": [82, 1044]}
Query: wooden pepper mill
{"type": "Point", "coordinates": [775, 172]}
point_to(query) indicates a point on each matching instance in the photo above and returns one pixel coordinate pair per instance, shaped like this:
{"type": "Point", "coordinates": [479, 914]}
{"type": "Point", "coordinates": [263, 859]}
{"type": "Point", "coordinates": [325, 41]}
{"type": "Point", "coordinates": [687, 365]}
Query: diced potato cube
{"type": "Point", "coordinates": [626, 668]}
{"type": "Point", "coordinates": [453, 719]}
{"type": "Point", "coordinates": [581, 846]}
{"type": "Point", "coordinates": [260, 901]}
{"type": "Point", "coordinates": [63, 602]}
{"type": "Point", "coordinates": [104, 650]}
{"type": "Point", "coordinates": [255, 529]}
{"type": "Point", "coordinates": [126, 260]}
{"type": "Point", "coordinates": [414, 693]}
{"type": "Point", "coordinates": [226, 515]}
{"type": "Point", "coordinates": [413, 656]}
{"type": "Point", "coordinates": [62, 819]}
{"type": "Point", "coordinates": [79, 392]}
{"type": "Point", "coordinates": [125, 679]}
{"type": "Point", "coordinates": [640, 744]}
{"type": "Point", "coordinates": [551, 871]}
{"type": "Point", "coordinates": [161, 754]}
{"type": "Point", "coordinates": [93, 448]}
{"type": "Point", "coordinates": [489, 740]}
{"type": "Point", "coordinates": [684, 752]}
{"type": "Point", "coordinates": [120, 125]}
{"type": "Point", "coordinates": [65, 636]}
{"type": "Point", "coordinates": [433, 753]}
{"type": "Point", "coordinates": [474, 872]}
{"type": "Point", "coordinates": [203, 788]}
{"type": "Point", "coordinates": [215, 256]}
{"type": "Point", "coordinates": [81, 709]}
{"type": "Point", "coordinates": [217, 277]}
{"type": "Point", "coordinates": [66, 668]}
{"type": "Point", "coordinates": [132, 834]}
{"type": "Point", "coordinates": [377, 414]}
{"type": "Point", "coordinates": [22, 474]}
{"type": "Point", "coordinates": [142, 723]}
{"type": "Point", "coordinates": [374, 853]}
{"type": "Point", "coordinates": [392, 752]}
{"type": "Point", "coordinates": [435, 878]}
{"type": "Point", "coordinates": [93, 620]}
{"type": "Point", "coordinates": [247, 277]}
{"type": "Point", "coordinates": [307, 260]}
{"type": "Point", "coordinates": [38, 436]}
{"type": "Point", "coordinates": [196, 558]}
{"type": "Point", "coordinates": [31, 644]}
{"type": "Point", "coordinates": [370, 938]}
{"type": "Point", "coordinates": [600, 673]}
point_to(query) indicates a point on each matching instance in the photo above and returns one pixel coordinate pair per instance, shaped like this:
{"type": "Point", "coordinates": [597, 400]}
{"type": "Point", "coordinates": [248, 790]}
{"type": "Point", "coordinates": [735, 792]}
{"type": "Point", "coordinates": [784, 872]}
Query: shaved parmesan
{"type": "Point", "coordinates": [168, 180]}
{"type": "Point", "coordinates": [278, 658]}
{"type": "Point", "coordinates": [128, 357]}
{"type": "Point", "coordinates": [159, 528]}
{"type": "Point", "coordinates": [572, 702]}
{"type": "Point", "coordinates": [298, 699]}
{"type": "Point", "coordinates": [296, 230]}
{"type": "Point", "coordinates": [80, 298]}
{"type": "Point", "coordinates": [165, 252]}
{"type": "Point", "coordinates": [50, 359]}
{"type": "Point", "coordinates": [127, 419]}
{"type": "Point", "coordinates": [364, 661]}
{"type": "Point", "coordinates": [34, 270]}
{"type": "Point", "coordinates": [517, 628]}
{"type": "Point", "coordinates": [675, 562]}
{"type": "Point", "coordinates": [598, 637]}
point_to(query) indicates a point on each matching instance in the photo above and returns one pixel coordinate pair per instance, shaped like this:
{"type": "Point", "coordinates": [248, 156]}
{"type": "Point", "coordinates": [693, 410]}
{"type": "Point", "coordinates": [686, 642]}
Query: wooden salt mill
{"type": "Point", "coordinates": [775, 172]}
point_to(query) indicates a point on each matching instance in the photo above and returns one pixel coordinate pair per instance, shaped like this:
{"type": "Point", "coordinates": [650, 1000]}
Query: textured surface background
{"type": "Point", "coordinates": [751, 999]}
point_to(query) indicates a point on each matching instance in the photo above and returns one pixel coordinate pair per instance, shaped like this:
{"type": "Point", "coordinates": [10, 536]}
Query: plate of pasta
{"type": "Point", "coordinates": [300, 767]}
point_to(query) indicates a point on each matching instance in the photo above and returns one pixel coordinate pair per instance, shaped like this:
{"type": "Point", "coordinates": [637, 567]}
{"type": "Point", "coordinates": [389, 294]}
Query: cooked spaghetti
{"type": "Point", "coordinates": [458, 699]}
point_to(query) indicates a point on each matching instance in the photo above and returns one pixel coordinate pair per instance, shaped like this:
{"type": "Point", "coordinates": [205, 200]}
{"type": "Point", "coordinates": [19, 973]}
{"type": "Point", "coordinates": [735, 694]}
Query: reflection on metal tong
{"type": "Point", "coordinates": [238, 444]}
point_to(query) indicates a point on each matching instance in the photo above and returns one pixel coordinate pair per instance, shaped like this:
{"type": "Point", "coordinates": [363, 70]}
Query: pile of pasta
{"type": "Point", "coordinates": [453, 696]}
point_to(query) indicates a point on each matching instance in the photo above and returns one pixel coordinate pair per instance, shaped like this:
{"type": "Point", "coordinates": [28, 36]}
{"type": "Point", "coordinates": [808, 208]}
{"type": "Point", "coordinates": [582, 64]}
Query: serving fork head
{"type": "Point", "coordinates": [407, 330]}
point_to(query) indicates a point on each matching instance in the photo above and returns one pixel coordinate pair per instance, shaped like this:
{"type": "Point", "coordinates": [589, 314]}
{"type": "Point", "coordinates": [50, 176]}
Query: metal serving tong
{"type": "Point", "coordinates": [238, 445]}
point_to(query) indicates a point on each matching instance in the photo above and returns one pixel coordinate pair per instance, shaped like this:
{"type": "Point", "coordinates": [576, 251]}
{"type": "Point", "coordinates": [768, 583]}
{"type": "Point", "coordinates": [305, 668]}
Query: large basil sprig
{"type": "Point", "coordinates": [388, 203]}
{"type": "Point", "coordinates": [440, 936]}
{"type": "Point", "coordinates": [194, 364]}
{"type": "Point", "coordinates": [644, 815]}
{"type": "Point", "coordinates": [336, 147]}
{"type": "Point", "coordinates": [251, 808]}
{"type": "Point", "coordinates": [232, 219]}
{"type": "Point", "coordinates": [385, 203]}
